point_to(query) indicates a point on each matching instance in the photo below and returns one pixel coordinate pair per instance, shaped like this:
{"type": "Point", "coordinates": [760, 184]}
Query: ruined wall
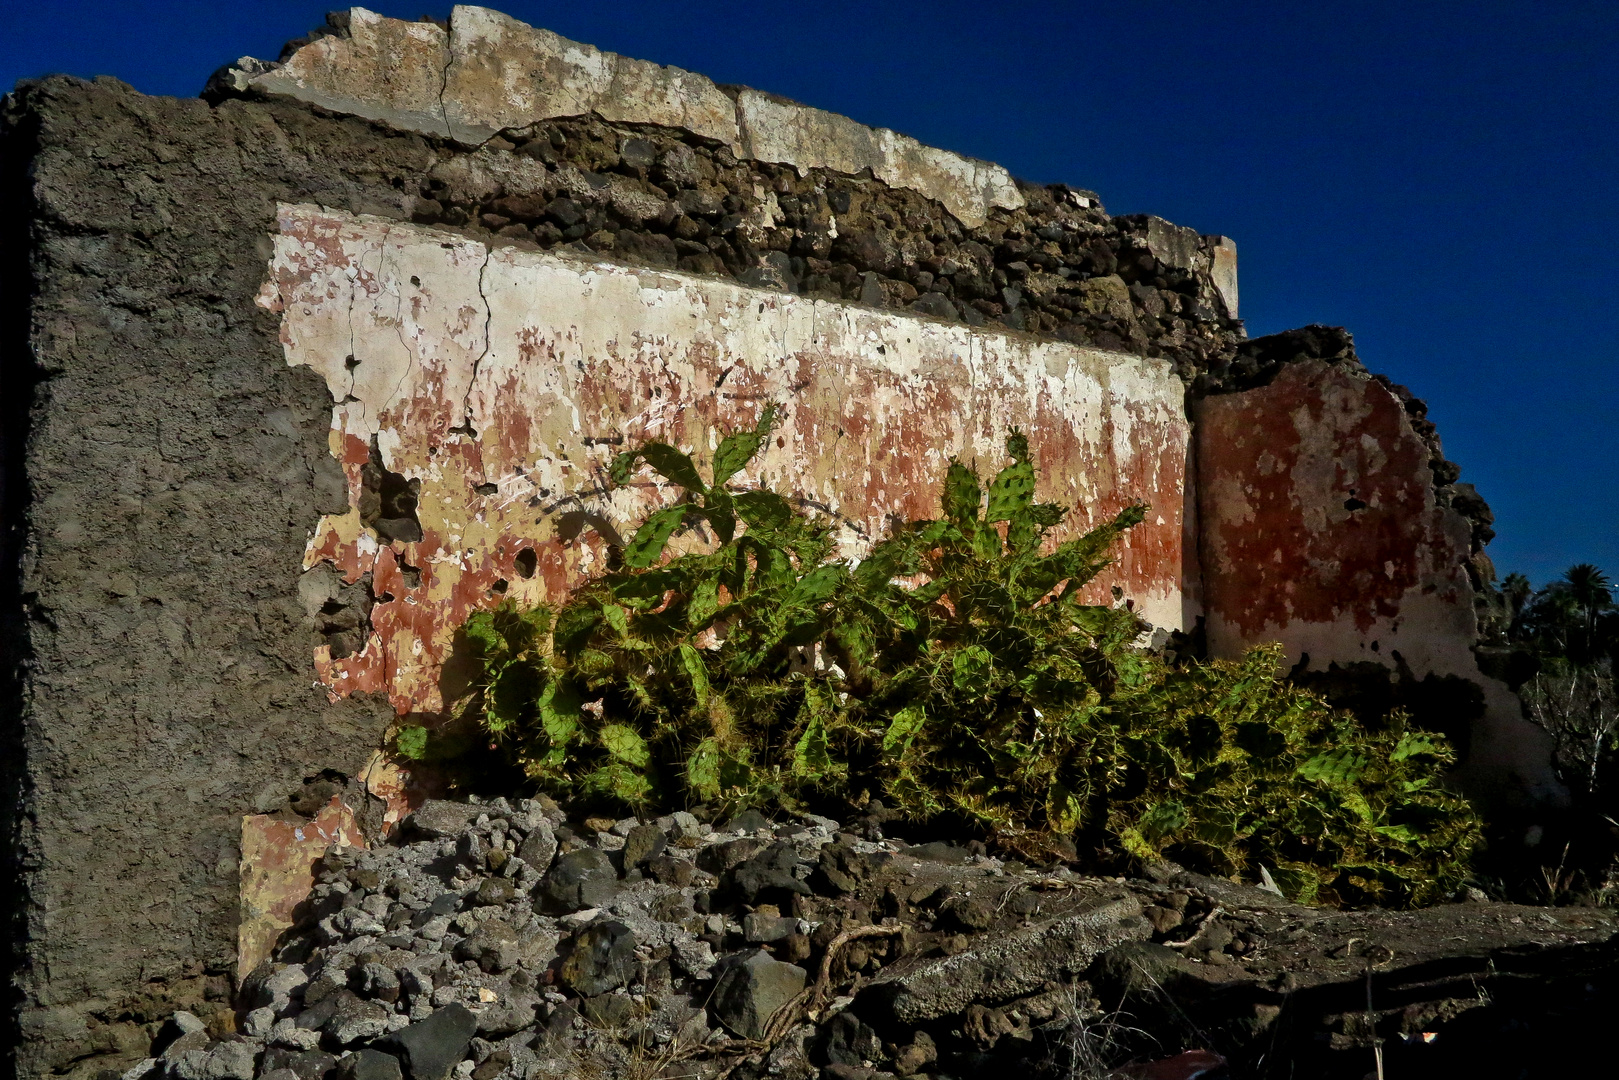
{"type": "Point", "coordinates": [164, 477]}
{"type": "Point", "coordinates": [550, 142]}
{"type": "Point", "coordinates": [331, 358]}
{"type": "Point", "coordinates": [501, 382]}
{"type": "Point", "coordinates": [1323, 525]}
{"type": "Point", "coordinates": [172, 661]}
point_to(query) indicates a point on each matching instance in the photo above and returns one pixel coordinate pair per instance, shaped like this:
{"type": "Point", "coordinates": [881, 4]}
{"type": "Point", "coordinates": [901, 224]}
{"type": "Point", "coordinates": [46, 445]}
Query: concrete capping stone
{"type": "Point", "coordinates": [1223, 253]}
{"type": "Point", "coordinates": [489, 72]}
{"type": "Point", "coordinates": [1008, 965]}
{"type": "Point", "coordinates": [1176, 245]}
{"type": "Point", "coordinates": [507, 74]}
{"type": "Point", "coordinates": [386, 70]}
{"type": "Point", "coordinates": [787, 133]}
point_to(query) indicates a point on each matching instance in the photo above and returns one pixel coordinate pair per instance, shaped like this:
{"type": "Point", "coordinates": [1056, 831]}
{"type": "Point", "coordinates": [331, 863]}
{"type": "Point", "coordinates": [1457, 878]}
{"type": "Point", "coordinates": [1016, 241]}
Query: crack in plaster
{"type": "Point", "coordinates": [477, 362]}
{"type": "Point", "coordinates": [444, 83]}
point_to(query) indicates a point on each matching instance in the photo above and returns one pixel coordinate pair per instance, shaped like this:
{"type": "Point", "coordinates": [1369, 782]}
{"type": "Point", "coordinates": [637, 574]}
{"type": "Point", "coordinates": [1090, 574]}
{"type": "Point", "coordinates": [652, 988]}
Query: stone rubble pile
{"type": "Point", "coordinates": [503, 940]}
{"type": "Point", "coordinates": [508, 941]}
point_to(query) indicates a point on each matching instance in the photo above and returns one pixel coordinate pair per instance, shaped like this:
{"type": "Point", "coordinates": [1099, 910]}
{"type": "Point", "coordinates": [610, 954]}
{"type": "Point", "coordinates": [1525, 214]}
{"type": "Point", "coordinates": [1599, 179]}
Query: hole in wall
{"type": "Point", "coordinates": [412, 575]}
{"type": "Point", "coordinates": [526, 562]}
{"type": "Point", "coordinates": [317, 791]}
{"type": "Point", "coordinates": [487, 490]}
{"type": "Point", "coordinates": [344, 619]}
{"type": "Point", "coordinates": [388, 501]}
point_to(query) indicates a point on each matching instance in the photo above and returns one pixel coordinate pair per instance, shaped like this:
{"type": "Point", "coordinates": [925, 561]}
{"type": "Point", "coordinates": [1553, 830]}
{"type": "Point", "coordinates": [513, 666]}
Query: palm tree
{"type": "Point", "coordinates": [1515, 588]}
{"type": "Point", "coordinates": [1590, 589]}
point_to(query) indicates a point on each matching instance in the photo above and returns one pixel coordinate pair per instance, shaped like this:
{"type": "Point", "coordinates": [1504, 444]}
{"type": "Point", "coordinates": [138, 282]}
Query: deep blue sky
{"type": "Point", "coordinates": [1439, 177]}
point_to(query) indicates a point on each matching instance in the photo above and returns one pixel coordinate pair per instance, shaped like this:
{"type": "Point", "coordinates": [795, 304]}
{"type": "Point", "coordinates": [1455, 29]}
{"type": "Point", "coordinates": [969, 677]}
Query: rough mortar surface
{"type": "Point", "coordinates": [172, 468]}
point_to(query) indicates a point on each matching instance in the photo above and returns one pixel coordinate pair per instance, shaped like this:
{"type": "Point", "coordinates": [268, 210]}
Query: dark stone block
{"type": "Point", "coordinates": [432, 1047]}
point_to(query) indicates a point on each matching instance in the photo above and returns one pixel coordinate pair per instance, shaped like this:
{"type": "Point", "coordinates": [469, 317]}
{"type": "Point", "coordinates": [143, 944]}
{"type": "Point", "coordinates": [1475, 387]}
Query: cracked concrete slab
{"type": "Point", "coordinates": [1009, 965]}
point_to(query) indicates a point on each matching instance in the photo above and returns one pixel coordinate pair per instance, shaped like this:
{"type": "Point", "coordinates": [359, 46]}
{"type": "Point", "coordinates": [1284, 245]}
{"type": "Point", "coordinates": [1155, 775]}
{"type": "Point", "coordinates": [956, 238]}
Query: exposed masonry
{"type": "Point", "coordinates": [1257, 362]}
{"type": "Point", "coordinates": [485, 72]}
{"type": "Point", "coordinates": [549, 142]}
{"type": "Point", "coordinates": [583, 149]}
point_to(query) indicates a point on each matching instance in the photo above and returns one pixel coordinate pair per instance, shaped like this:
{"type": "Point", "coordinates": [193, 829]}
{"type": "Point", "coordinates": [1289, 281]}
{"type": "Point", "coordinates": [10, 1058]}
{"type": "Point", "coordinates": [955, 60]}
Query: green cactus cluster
{"type": "Point", "coordinates": [955, 671]}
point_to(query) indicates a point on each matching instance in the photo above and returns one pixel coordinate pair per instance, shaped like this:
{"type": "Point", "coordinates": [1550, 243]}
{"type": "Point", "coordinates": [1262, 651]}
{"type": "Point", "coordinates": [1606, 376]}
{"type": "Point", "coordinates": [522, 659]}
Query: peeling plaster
{"type": "Point", "coordinates": [1320, 530]}
{"type": "Point", "coordinates": [277, 872]}
{"type": "Point", "coordinates": [528, 371]}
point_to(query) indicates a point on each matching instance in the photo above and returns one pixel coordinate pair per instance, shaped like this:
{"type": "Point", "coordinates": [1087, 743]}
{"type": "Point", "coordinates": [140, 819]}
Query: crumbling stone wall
{"type": "Point", "coordinates": [498, 383]}
{"type": "Point", "coordinates": [168, 472]}
{"type": "Point", "coordinates": [174, 640]}
{"type": "Point", "coordinates": [544, 141]}
{"type": "Point", "coordinates": [1329, 520]}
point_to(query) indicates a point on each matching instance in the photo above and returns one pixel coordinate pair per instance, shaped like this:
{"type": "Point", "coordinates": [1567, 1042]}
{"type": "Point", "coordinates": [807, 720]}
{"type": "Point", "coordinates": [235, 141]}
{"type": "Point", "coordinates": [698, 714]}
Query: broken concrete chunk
{"type": "Point", "coordinates": [775, 129]}
{"type": "Point", "coordinates": [381, 69]}
{"type": "Point", "coordinates": [507, 74]}
{"type": "Point", "coordinates": [490, 73]}
{"type": "Point", "coordinates": [1175, 246]}
{"type": "Point", "coordinates": [1009, 965]}
{"type": "Point", "coordinates": [1223, 255]}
